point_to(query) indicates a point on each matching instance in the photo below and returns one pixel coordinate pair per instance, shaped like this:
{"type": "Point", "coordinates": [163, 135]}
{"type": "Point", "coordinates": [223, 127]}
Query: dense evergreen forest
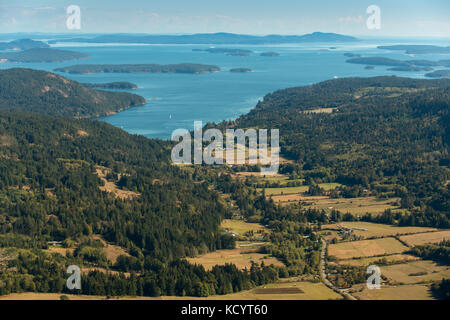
{"type": "Point", "coordinates": [43, 92]}
{"type": "Point", "coordinates": [51, 191]}
{"type": "Point", "coordinates": [85, 184]}
{"type": "Point", "coordinates": [387, 136]}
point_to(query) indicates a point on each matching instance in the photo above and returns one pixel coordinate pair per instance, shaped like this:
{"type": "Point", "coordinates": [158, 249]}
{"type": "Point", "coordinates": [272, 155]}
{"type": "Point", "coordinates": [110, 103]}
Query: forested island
{"type": "Point", "coordinates": [124, 85]}
{"type": "Point", "coordinates": [418, 49]}
{"type": "Point", "coordinates": [270, 54]}
{"type": "Point", "coordinates": [42, 55]}
{"type": "Point", "coordinates": [241, 70]}
{"type": "Point", "coordinates": [22, 44]}
{"type": "Point", "coordinates": [228, 51]}
{"type": "Point", "coordinates": [28, 90]}
{"type": "Point", "coordinates": [139, 68]}
{"type": "Point", "coordinates": [400, 65]}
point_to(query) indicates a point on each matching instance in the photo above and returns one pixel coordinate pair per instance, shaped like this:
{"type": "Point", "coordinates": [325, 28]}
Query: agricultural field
{"type": "Point", "coordinates": [282, 290]}
{"type": "Point", "coordinates": [366, 248]}
{"type": "Point", "coordinates": [422, 238]}
{"type": "Point", "coordinates": [421, 271]}
{"type": "Point", "coordinates": [370, 230]}
{"type": "Point", "coordinates": [242, 256]}
{"type": "Point", "coordinates": [355, 206]}
{"type": "Point", "coordinates": [406, 292]}
{"type": "Point", "coordinates": [364, 262]}
{"type": "Point", "coordinates": [299, 189]}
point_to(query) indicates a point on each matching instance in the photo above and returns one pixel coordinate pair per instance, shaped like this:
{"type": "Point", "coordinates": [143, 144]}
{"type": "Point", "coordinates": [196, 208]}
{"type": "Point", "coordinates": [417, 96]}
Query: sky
{"type": "Point", "coordinates": [398, 18]}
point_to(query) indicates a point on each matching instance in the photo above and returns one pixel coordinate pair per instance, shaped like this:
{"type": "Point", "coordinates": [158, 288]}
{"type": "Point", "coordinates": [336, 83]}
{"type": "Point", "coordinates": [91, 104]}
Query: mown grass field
{"type": "Point", "coordinates": [422, 238]}
{"type": "Point", "coordinates": [420, 271]}
{"type": "Point", "coordinates": [241, 227]}
{"type": "Point", "coordinates": [366, 248]}
{"type": "Point", "coordinates": [377, 229]}
{"type": "Point", "coordinates": [299, 189]}
{"type": "Point", "coordinates": [363, 262]}
{"type": "Point", "coordinates": [241, 257]}
{"type": "Point", "coordinates": [407, 292]}
{"type": "Point", "coordinates": [355, 205]}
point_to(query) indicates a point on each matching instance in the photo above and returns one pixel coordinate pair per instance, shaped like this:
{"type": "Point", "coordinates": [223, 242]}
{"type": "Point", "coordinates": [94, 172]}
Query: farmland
{"type": "Point", "coordinates": [422, 238]}
{"type": "Point", "coordinates": [370, 230]}
{"type": "Point", "coordinates": [242, 256]}
{"type": "Point", "coordinates": [364, 262]}
{"type": "Point", "coordinates": [366, 248]}
{"type": "Point", "coordinates": [409, 292]}
{"type": "Point", "coordinates": [415, 272]}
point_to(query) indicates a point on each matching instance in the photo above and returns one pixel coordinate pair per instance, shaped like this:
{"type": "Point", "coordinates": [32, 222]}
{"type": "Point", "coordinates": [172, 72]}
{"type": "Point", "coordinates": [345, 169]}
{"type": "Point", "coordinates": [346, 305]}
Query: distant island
{"type": "Point", "coordinates": [42, 55]}
{"type": "Point", "coordinates": [400, 65]}
{"type": "Point", "coordinates": [22, 44]}
{"type": "Point", "coordinates": [411, 68]}
{"type": "Point", "coordinates": [369, 67]}
{"type": "Point", "coordinates": [417, 49]}
{"type": "Point", "coordinates": [352, 55]}
{"type": "Point", "coordinates": [211, 38]}
{"type": "Point", "coordinates": [139, 68]}
{"type": "Point", "coordinates": [438, 74]}
{"type": "Point", "coordinates": [242, 70]}
{"type": "Point", "coordinates": [227, 51]}
{"type": "Point", "coordinates": [111, 85]}
{"type": "Point", "coordinates": [270, 54]}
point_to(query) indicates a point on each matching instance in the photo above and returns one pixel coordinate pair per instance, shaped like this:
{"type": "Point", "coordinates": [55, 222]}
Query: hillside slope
{"type": "Point", "coordinates": [43, 92]}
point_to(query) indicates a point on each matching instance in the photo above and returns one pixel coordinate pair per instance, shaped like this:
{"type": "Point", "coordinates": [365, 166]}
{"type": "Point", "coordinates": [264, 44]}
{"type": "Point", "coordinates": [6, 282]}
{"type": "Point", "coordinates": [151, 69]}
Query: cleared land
{"type": "Point", "coordinates": [295, 290]}
{"type": "Point", "coordinates": [368, 261]}
{"type": "Point", "coordinates": [416, 272]}
{"type": "Point", "coordinates": [422, 238]}
{"type": "Point", "coordinates": [355, 205]}
{"type": "Point", "coordinates": [241, 227]}
{"type": "Point", "coordinates": [299, 189]}
{"type": "Point", "coordinates": [241, 257]}
{"type": "Point", "coordinates": [366, 248]}
{"type": "Point", "coordinates": [376, 229]}
{"type": "Point", "coordinates": [409, 292]}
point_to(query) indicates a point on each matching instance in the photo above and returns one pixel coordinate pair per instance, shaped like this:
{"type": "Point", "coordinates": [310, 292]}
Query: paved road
{"type": "Point", "coordinates": [323, 275]}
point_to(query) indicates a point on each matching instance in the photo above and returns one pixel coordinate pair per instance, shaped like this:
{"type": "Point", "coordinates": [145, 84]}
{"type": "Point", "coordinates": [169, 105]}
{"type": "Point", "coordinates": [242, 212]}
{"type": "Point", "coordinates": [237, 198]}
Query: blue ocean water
{"type": "Point", "coordinates": [177, 100]}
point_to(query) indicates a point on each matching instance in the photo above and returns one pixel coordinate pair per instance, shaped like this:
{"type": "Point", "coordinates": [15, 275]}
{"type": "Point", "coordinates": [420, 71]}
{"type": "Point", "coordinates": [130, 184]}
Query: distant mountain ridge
{"type": "Point", "coordinates": [213, 38]}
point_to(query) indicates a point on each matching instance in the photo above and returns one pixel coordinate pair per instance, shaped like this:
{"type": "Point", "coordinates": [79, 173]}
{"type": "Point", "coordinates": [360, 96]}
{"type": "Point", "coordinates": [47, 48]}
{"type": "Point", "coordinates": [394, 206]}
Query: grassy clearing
{"type": "Point", "coordinates": [415, 272]}
{"type": "Point", "coordinates": [320, 110]}
{"type": "Point", "coordinates": [366, 248]}
{"type": "Point", "coordinates": [299, 189]}
{"type": "Point", "coordinates": [355, 205]}
{"type": "Point", "coordinates": [409, 292]}
{"type": "Point", "coordinates": [395, 258]}
{"type": "Point", "coordinates": [241, 227]}
{"type": "Point", "coordinates": [422, 238]}
{"type": "Point", "coordinates": [241, 257]}
{"type": "Point", "coordinates": [377, 229]}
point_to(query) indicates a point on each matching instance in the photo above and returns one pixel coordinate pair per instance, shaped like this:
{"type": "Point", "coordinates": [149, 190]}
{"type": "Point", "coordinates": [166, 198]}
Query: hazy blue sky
{"type": "Point", "coordinates": [398, 17]}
